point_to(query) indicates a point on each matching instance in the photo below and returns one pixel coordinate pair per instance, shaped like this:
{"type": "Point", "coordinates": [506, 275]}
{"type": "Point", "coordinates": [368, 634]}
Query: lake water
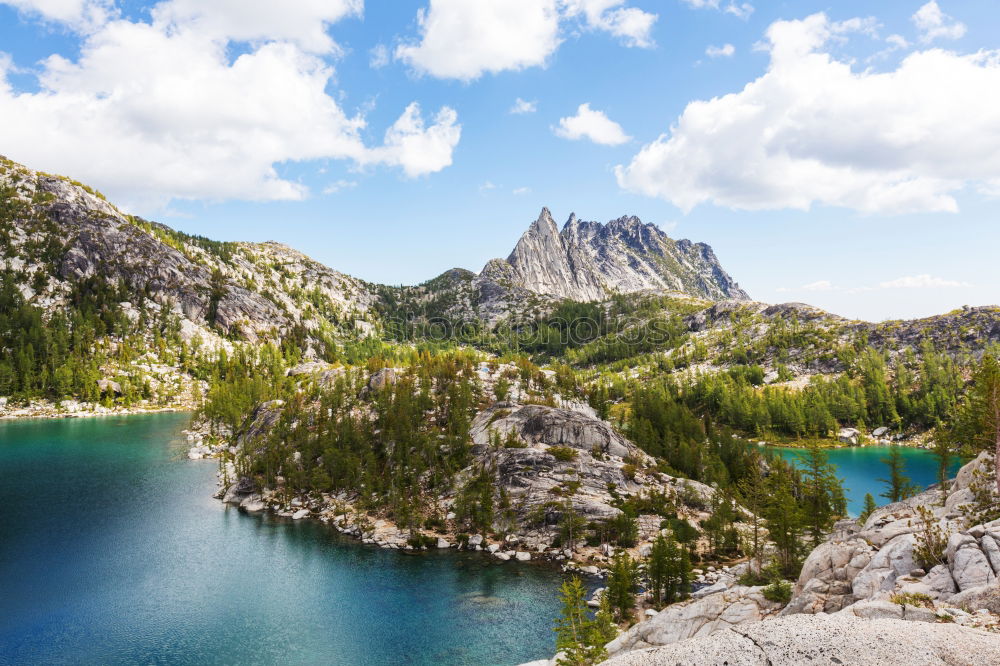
{"type": "Point", "coordinates": [112, 551]}
{"type": "Point", "coordinates": [861, 466]}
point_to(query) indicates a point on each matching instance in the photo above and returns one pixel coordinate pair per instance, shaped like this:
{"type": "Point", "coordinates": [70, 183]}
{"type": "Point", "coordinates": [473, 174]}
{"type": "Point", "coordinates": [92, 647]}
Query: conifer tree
{"type": "Point", "coordinates": [823, 496]}
{"type": "Point", "coordinates": [784, 521]}
{"type": "Point", "coordinates": [622, 581]}
{"type": "Point", "coordinates": [898, 485]}
{"type": "Point", "coordinates": [579, 638]}
{"type": "Point", "coordinates": [868, 508]}
{"type": "Point", "coordinates": [754, 497]}
{"type": "Point", "coordinates": [977, 426]}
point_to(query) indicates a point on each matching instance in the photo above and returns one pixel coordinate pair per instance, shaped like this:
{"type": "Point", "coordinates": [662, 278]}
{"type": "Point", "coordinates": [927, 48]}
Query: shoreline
{"type": "Point", "coordinates": [50, 411]}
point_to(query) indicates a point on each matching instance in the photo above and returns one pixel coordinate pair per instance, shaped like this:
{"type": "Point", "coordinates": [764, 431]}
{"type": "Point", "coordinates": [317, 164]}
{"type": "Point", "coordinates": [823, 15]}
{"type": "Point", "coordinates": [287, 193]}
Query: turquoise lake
{"type": "Point", "coordinates": [860, 467]}
{"type": "Point", "coordinates": [112, 551]}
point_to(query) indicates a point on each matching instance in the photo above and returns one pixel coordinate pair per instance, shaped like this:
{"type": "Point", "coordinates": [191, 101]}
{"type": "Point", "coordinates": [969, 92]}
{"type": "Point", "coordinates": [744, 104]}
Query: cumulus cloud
{"type": "Point", "coordinates": [633, 26]}
{"type": "Point", "coordinates": [463, 40]}
{"type": "Point", "coordinates": [160, 110]}
{"type": "Point", "coordinates": [80, 15]}
{"type": "Point", "coordinates": [811, 130]}
{"type": "Point", "coordinates": [724, 51]}
{"type": "Point", "coordinates": [417, 148]}
{"type": "Point", "coordinates": [522, 190]}
{"type": "Point", "coordinates": [303, 22]}
{"type": "Point", "coordinates": [522, 107]}
{"type": "Point", "coordinates": [593, 125]}
{"type": "Point", "coordinates": [935, 24]}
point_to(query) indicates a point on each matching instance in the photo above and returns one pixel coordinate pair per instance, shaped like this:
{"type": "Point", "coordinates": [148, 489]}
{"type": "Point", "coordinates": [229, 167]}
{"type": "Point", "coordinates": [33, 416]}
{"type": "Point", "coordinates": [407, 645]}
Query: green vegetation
{"type": "Point", "coordinates": [668, 570]}
{"type": "Point", "coordinates": [976, 427]}
{"type": "Point", "coordinates": [623, 579]}
{"type": "Point", "coordinates": [867, 509]}
{"type": "Point", "coordinates": [579, 637]}
{"type": "Point", "coordinates": [779, 591]}
{"type": "Point", "coordinates": [398, 442]}
{"type": "Point", "coordinates": [898, 485]}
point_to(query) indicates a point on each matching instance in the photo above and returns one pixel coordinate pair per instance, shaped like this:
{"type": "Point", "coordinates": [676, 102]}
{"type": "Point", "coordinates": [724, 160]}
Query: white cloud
{"type": "Point", "coordinates": [83, 15]}
{"type": "Point", "coordinates": [935, 24]}
{"type": "Point", "coordinates": [486, 187]}
{"type": "Point", "coordinates": [149, 112]}
{"type": "Point", "coordinates": [813, 131]}
{"type": "Point", "coordinates": [463, 40]}
{"type": "Point", "coordinates": [419, 149]}
{"type": "Point", "coordinates": [521, 107]}
{"type": "Point", "coordinates": [340, 186]}
{"type": "Point", "coordinates": [378, 56]}
{"type": "Point", "coordinates": [740, 10]}
{"type": "Point", "coordinates": [522, 190]}
{"type": "Point", "coordinates": [897, 42]}
{"type": "Point", "coordinates": [303, 22]}
{"type": "Point", "coordinates": [724, 51]}
{"type": "Point", "coordinates": [819, 285]}
{"type": "Point", "coordinates": [593, 125]}
{"type": "Point", "coordinates": [632, 25]}
{"type": "Point", "coordinates": [923, 281]}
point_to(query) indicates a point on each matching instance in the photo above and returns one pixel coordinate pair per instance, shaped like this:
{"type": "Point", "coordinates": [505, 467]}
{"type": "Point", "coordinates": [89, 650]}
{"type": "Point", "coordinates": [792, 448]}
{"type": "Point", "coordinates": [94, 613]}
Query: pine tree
{"type": "Point", "coordinates": [977, 426]}
{"type": "Point", "coordinates": [898, 485]}
{"type": "Point", "coordinates": [658, 568]}
{"type": "Point", "coordinates": [754, 496]}
{"type": "Point", "coordinates": [869, 507]}
{"type": "Point", "coordinates": [823, 495]}
{"type": "Point", "coordinates": [580, 639]}
{"type": "Point", "coordinates": [622, 581]}
{"type": "Point", "coordinates": [668, 570]}
{"type": "Point", "coordinates": [784, 521]}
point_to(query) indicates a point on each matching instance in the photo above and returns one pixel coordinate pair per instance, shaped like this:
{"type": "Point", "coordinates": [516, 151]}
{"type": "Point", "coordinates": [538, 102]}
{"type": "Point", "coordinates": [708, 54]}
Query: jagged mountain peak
{"type": "Point", "coordinates": [588, 261]}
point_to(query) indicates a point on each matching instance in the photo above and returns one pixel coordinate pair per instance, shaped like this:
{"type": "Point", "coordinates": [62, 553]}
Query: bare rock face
{"type": "Point", "coordinates": [246, 290]}
{"type": "Point", "coordinates": [732, 607]}
{"type": "Point", "coordinates": [527, 446]}
{"type": "Point", "coordinates": [877, 559]}
{"type": "Point", "coordinates": [826, 639]}
{"type": "Point", "coordinates": [824, 585]}
{"type": "Point", "coordinates": [893, 560]}
{"type": "Point", "coordinates": [589, 261]}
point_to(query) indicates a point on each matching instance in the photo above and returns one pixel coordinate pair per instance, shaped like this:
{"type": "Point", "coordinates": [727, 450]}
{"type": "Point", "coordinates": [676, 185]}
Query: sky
{"type": "Point", "coordinates": [842, 154]}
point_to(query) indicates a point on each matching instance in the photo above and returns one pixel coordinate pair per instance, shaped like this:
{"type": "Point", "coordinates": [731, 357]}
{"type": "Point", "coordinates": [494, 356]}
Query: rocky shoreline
{"type": "Point", "coordinates": [71, 409]}
{"type": "Point", "coordinates": [527, 472]}
{"type": "Point", "coordinates": [867, 578]}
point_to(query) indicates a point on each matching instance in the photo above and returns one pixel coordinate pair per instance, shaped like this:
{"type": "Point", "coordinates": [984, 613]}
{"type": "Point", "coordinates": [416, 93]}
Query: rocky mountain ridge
{"type": "Point", "coordinates": [590, 261]}
{"type": "Point", "coordinates": [56, 233]}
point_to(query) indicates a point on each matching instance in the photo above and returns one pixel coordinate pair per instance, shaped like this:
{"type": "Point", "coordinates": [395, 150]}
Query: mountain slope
{"type": "Point", "coordinates": [590, 261]}
{"type": "Point", "coordinates": [57, 233]}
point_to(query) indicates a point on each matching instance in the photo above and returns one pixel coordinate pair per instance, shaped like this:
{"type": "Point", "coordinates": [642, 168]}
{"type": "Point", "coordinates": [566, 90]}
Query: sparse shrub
{"type": "Point", "coordinates": [912, 599]}
{"type": "Point", "coordinates": [562, 453]}
{"type": "Point", "coordinates": [779, 591]}
{"type": "Point", "coordinates": [929, 549]}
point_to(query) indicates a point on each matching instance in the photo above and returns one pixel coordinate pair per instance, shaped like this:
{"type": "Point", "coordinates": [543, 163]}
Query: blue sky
{"type": "Point", "coordinates": [843, 154]}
